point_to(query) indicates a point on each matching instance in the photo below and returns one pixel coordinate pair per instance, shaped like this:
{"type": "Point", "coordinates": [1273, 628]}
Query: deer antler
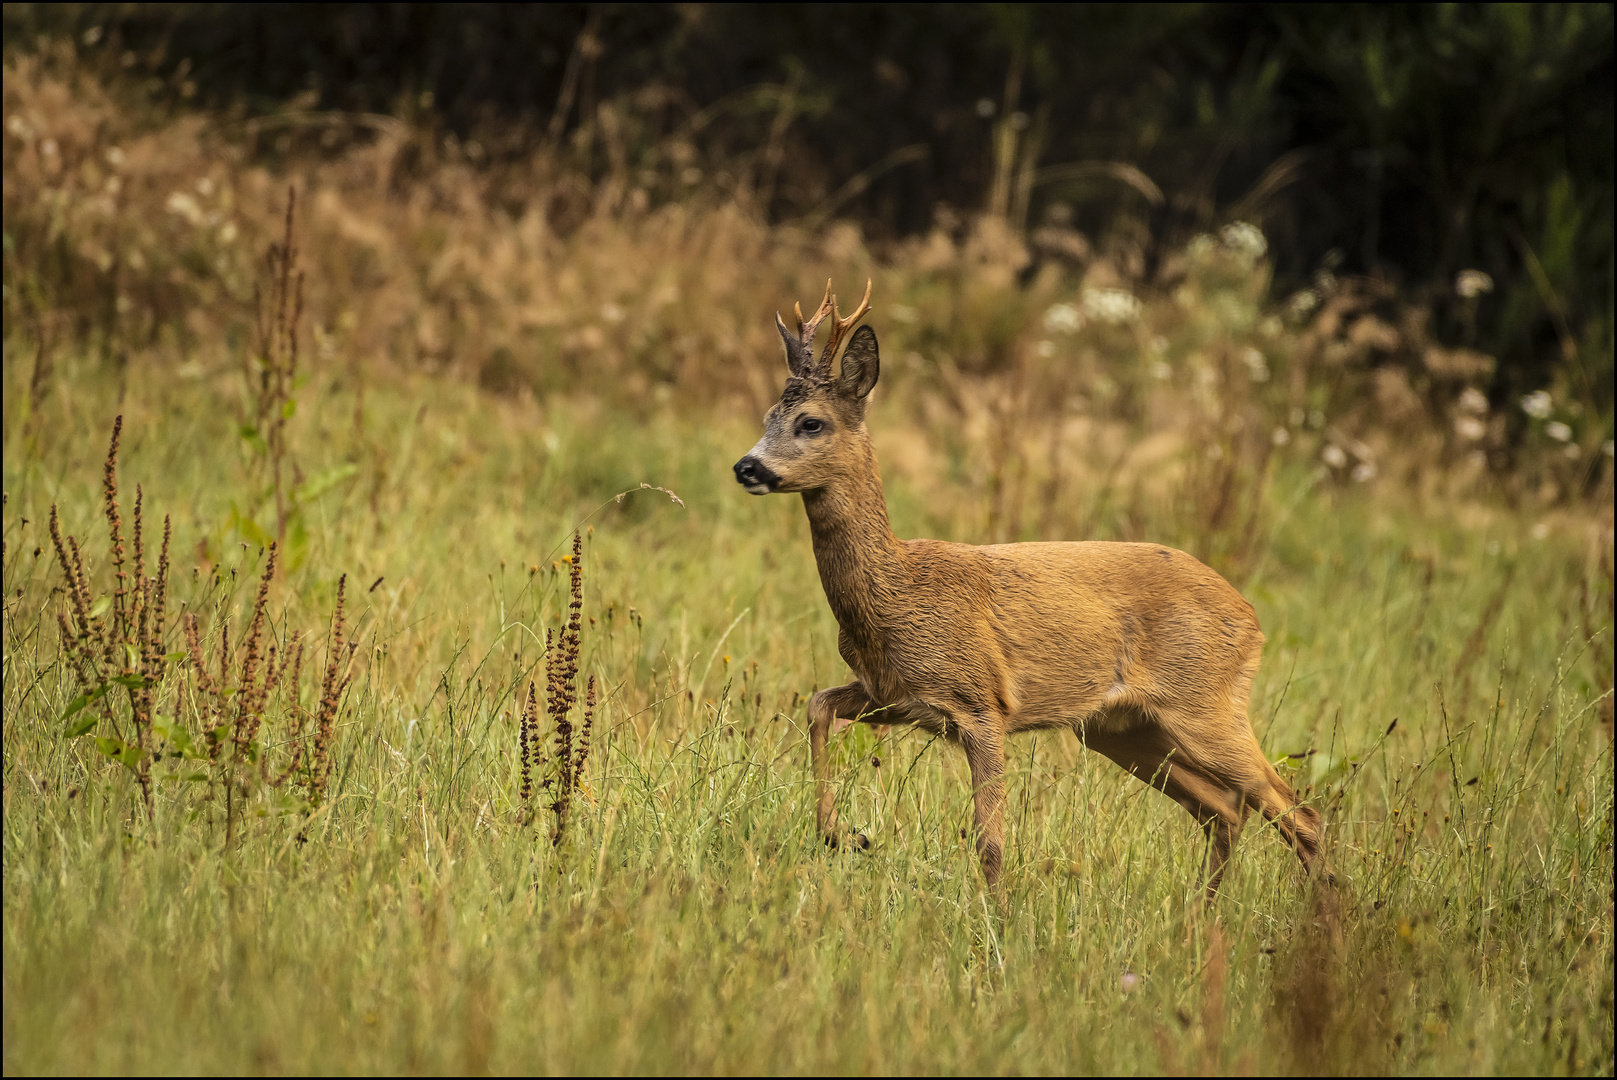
{"type": "Point", "coordinates": [841, 326]}
{"type": "Point", "coordinates": [806, 331]}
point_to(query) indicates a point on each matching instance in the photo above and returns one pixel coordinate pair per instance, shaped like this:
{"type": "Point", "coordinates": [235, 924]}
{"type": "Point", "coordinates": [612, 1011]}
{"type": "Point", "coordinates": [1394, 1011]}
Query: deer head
{"type": "Point", "coordinates": [810, 435]}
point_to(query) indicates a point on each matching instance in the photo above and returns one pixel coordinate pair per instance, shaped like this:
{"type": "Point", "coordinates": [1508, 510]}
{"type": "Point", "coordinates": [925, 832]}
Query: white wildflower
{"type": "Point", "coordinates": [1469, 428]}
{"type": "Point", "coordinates": [186, 207]}
{"type": "Point", "coordinates": [1473, 401]}
{"type": "Point", "coordinates": [1333, 455]}
{"type": "Point", "coordinates": [1364, 472]}
{"type": "Point", "coordinates": [1045, 349]}
{"type": "Point", "coordinates": [1063, 319]}
{"type": "Point", "coordinates": [1558, 431]}
{"type": "Point", "coordinates": [1538, 404]}
{"type": "Point", "coordinates": [1301, 303]}
{"type": "Point", "coordinates": [1256, 366]}
{"type": "Point", "coordinates": [612, 313]}
{"type": "Point", "coordinates": [1114, 306]}
{"type": "Point", "coordinates": [1540, 531]}
{"type": "Point", "coordinates": [1470, 284]}
{"type": "Point", "coordinates": [1245, 240]}
{"type": "Point", "coordinates": [115, 156]}
{"type": "Point", "coordinates": [1200, 246]}
{"type": "Point", "coordinates": [1280, 437]}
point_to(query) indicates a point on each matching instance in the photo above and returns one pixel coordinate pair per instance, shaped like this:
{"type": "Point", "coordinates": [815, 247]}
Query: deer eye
{"type": "Point", "coordinates": [810, 425]}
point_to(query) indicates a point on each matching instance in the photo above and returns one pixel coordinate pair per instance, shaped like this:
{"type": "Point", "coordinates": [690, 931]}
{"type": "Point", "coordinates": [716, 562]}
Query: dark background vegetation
{"type": "Point", "coordinates": [1404, 142]}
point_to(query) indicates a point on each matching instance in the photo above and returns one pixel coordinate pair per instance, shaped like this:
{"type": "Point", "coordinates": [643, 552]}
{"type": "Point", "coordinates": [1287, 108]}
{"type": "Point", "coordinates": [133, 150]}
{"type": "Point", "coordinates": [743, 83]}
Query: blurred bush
{"type": "Point", "coordinates": [1414, 143]}
{"type": "Point", "coordinates": [1042, 358]}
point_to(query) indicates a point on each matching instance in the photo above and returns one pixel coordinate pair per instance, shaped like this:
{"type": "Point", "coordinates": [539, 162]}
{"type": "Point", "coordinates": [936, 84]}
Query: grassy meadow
{"type": "Point", "coordinates": [211, 865]}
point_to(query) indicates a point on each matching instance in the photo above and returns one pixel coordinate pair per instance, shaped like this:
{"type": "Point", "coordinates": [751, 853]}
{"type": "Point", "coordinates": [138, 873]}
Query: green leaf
{"type": "Point", "coordinates": [129, 682]}
{"type": "Point", "coordinates": [174, 657]}
{"type": "Point", "coordinates": [78, 703]}
{"type": "Point", "coordinates": [125, 754]}
{"type": "Point", "coordinates": [297, 539]}
{"type": "Point", "coordinates": [82, 726]}
{"type": "Point", "coordinates": [100, 607]}
{"type": "Point", "coordinates": [132, 654]}
{"type": "Point", "coordinates": [250, 435]}
{"type": "Point", "coordinates": [289, 409]}
{"type": "Point", "coordinates": [178, 739]}
{"type": "Point", "coordinates": [317, 486]}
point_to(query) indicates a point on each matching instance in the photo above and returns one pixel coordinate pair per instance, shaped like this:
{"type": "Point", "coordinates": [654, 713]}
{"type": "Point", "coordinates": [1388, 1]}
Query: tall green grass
{"type": "Point", "coordinates": [1433, 679]}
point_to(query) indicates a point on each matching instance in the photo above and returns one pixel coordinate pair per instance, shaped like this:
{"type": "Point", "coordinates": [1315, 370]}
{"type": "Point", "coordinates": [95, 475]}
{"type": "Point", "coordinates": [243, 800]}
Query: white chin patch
{"type": "Point", "coordinates": [758, 489]}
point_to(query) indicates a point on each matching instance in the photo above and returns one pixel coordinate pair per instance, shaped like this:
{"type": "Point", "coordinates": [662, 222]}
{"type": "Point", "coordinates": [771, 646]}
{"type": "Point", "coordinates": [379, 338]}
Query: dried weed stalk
{"type": "Point", "coordinates": [121, 653]}
{"type": "Point", "coordinates": [273, 365]}
{"type": "Point", "coordinates": [114, 644]}
{"type": "Point", "coordinates": [563, 771]}
{"type": "Point", "coordinates": [332, 687]}
{"type": "Point", "coordinates": [1332, 995]}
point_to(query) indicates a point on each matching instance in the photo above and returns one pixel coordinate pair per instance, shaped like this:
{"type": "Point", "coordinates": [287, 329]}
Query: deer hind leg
{"type": "Point", "coordinates": [1231, 757]}
{"type": "Point", "coordinates": [1299, 824]}
{"type": "Point", "coordinates": [1157, 758]}
{"type": "Point", "coordinates": [824, 708]}
{"type": "Point", "coordinates": [1265, 791]}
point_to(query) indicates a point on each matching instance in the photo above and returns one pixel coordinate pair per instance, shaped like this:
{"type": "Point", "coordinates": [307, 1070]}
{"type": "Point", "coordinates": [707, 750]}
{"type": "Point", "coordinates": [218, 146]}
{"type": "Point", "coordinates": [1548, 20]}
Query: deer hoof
{"type": "Point", "coordinates": [856, 841]}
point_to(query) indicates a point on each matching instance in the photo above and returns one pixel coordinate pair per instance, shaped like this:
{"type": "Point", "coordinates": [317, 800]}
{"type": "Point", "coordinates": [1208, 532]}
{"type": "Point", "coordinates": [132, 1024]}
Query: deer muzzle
{"type": "Point", "coordinates": [755, 476]}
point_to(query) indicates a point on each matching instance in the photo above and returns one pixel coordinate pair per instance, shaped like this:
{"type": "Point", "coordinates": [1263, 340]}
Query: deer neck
{"type": "Point", "coordinates": [858, 556]}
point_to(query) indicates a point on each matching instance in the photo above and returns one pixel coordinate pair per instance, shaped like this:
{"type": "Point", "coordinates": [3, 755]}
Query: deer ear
{"type": "Point", "coordinates": [798, 355]}
{"type": "Point", "coordinates": [861, 365]}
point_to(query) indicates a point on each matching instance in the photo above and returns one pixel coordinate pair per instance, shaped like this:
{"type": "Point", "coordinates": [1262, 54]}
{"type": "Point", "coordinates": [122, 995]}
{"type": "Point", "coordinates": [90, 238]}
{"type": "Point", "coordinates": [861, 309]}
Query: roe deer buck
{"type": "Point", "coordinates": [1143, 651]}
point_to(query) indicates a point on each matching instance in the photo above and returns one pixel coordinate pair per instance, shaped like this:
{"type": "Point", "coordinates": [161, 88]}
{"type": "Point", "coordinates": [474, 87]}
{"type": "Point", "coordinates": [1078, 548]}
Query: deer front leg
{"type": "Point", "coordinates": [824, 708]}
{"type": "Point", "coordinates": [985, 751]}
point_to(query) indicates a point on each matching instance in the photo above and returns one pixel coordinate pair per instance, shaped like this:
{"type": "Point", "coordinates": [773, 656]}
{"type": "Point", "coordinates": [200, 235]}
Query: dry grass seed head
{"type": "Point", "coordinates": [109, 488]}
{"type": "Point", "coordinates": [250, 694]}
{"type": "Point", "coordinates": [78, 645]}
{"type": "Point", "coordinates": [527, 740]}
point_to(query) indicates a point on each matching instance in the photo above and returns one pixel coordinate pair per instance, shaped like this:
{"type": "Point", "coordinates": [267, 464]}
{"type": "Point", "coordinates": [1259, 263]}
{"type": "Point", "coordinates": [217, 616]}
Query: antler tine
{"type": "Point", "coordinates": [806, 330]}
{"type": "Point", "coordinates": [841, 326]}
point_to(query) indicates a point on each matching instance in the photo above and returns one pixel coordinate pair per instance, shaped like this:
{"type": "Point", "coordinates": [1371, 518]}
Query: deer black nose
{"type": "Point", "coordinates": [755, 476]}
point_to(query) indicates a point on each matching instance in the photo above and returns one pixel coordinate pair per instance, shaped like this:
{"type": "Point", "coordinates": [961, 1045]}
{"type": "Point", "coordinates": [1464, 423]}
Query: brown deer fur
{"type": "Point", "coordinates": [1141, 650]}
